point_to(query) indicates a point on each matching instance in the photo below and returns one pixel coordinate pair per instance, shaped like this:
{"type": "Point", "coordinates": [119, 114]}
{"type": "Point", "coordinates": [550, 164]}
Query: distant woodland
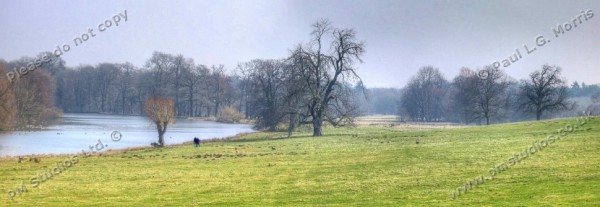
{"type": "Point", "coordinates": [314, 84]}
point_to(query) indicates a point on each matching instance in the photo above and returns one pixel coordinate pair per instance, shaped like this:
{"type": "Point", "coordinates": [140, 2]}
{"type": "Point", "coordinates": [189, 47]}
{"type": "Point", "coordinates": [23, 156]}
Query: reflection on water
{"type": "Point", "coordinates": [77, 132]}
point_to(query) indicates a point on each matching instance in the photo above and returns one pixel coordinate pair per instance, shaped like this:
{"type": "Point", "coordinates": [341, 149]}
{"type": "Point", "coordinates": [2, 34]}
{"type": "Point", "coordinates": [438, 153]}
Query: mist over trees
{"type": "Point", "coordinates": [493, 99]}
{"type": "Point", "coordinates": [384, 101]}
{"type": "Point", "coordinates": [313, 84]}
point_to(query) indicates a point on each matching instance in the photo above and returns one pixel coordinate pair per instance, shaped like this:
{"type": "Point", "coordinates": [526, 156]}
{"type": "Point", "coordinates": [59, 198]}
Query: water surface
{"type": "Point", "coordinates": [76, 132]}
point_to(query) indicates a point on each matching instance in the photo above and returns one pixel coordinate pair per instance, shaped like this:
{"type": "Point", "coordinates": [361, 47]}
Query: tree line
{"type": "Point", "coordinates": [493, 98]}
{"type": "Point", "coordinates": [314, 84]}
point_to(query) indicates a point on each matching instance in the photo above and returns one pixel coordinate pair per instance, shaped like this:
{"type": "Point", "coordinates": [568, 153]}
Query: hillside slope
{"type": "Point", "coordinates": [366, 166]}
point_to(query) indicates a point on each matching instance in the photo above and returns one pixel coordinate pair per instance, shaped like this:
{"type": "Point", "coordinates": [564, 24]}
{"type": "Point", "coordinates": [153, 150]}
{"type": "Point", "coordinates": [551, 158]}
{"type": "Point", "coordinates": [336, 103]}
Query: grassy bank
{"type": "Point", "coordinates": [364, 166]}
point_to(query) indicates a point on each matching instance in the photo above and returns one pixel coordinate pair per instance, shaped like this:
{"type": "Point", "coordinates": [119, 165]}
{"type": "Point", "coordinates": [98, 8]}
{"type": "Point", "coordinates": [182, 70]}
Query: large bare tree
{"type": "Point", "coordinates": [422, 99]}
{"type": "Point", "coordinates": [161, 111]}
{"type": "Point", "coordinates": [463, 99]}
{"type": "Point", "coordinates": [480, 99]}
{"type": "Point", "coordinates": [323, 67]}
{"type": "Point", "coordinates": [266, 84]}
{"type": "Point", "coordinates": [490, 94]}
{"type": "Point", "coordinates": [545, 91]}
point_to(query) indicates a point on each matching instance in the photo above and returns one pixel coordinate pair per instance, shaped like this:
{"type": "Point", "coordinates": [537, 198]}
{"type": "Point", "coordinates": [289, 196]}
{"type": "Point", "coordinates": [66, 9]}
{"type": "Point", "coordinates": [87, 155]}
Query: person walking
{"type": "Point", "coordinates": [196, 142]}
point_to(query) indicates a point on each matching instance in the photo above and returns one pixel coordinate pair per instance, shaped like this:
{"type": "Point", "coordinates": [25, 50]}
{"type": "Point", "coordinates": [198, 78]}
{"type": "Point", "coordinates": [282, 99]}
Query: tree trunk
{"type": "Point", "coordinates": [291, 124]}
{"type": "Point", "coordinates": [122, 103]}
{"type": "Point", "coordinates": [217, 109]}
{"type": "Point", "coordinates": [538, 115]}
{"type": "Point", "coordinates": [191, 102]}
{"type": "Point", "coordinates": [162, 128]}
{"type": "Point", "coordinates": [317, 124]}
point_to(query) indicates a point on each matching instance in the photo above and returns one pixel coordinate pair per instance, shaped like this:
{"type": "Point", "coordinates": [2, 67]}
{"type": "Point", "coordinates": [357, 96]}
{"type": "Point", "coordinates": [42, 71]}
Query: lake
{"type": "Point", "coordinates": [76, 132]}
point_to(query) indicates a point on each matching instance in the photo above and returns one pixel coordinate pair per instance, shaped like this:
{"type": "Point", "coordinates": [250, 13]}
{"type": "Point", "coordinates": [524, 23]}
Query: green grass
{"type": "Point", "coordinates": [365, 166]}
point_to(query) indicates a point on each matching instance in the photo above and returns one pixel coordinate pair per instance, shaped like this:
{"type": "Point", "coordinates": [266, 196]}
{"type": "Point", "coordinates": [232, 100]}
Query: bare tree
{"type": "Point", "coordinates": [161, 65]}
{"type": "Point", "coordinates": [424, 94]}
{"type": "Point", "coordinates": [321, 72]}
{"type": "Point", "coordinates": [191, 80]}
{"type": "Point", "coordinates": [106, 75]}
{"type": "Point", "coordinates": [56, 64]}
{"type": "Point", "coordinates": [344, 107]}
{"type": "Point", "coordinates": [297, 98]}
{"type": "Point", "coordinates": [161, 111]}
{"type": "Point", "coordinates": [179, 67]}
{"type": "Point", "coordinates": [464, 84]}
{"type": "Point", "coordinates": [490, 93]}
{"type": "Point", "coordinates": [545, 91]}
{"type": "Point", "coordinates": [89, 88]}
{"type": "Point", "coordinates": [7, 103]}
{"type": "Point", "coordinates": [219, 88]}
{"type": "Point", "coordinates": [74, 89]}
{"type": "Point", "coordinates": [266, 82]}
{"type": "Point", "coordinates": [125, 87]}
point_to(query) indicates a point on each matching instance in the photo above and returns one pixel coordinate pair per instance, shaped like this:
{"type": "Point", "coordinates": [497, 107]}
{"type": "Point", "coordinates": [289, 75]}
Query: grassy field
{"type": "Point", "coordinates": [364, 166]}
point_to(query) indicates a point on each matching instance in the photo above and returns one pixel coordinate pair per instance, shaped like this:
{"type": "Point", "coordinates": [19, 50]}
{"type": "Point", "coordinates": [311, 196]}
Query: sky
{"type": "Point", "coordinates": [400, 36]}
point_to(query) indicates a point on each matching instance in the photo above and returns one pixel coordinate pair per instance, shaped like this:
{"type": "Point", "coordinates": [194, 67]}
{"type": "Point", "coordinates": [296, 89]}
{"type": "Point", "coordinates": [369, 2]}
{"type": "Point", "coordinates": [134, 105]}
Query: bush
{"type": "Point", "coordinates": [229, 115]}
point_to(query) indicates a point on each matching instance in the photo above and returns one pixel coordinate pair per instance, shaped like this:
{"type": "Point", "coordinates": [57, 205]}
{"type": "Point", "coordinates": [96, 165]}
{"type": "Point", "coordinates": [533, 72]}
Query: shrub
{"type": "Point", "coordinates": [229, 114]}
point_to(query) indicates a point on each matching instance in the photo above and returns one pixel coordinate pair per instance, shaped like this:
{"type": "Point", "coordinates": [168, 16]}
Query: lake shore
{"type": "Point", "coordinates": [77, 131]}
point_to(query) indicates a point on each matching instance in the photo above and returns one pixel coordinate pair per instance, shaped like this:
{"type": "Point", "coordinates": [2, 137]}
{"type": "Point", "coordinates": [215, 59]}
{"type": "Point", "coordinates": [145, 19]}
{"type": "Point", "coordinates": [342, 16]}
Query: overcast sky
{"type": "Point", "coordinates": [401, 36]}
